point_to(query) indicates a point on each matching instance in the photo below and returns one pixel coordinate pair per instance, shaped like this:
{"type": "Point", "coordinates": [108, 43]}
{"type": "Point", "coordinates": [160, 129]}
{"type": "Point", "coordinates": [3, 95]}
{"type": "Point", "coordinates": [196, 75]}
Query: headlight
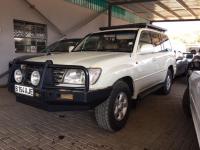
{"type": "Point", "coordinates": [18, 76]}
{"type": "Point", "coordinates": [74, 76]}
{"type": "Point", "coordinates": [77, 76]}
{"type": "Point", "coordinates": [35, 78]}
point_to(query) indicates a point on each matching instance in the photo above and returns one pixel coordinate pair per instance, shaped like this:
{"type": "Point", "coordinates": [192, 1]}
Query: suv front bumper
{"type": "Point", "coordinates": [59, 99]}
{"type": "Point", "coordinates": [54, 98]}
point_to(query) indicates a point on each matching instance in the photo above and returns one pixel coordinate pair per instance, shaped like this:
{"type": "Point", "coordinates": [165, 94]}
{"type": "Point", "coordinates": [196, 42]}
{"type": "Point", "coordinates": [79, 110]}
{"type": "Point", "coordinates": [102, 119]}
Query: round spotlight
{"type": "Point", "coordinates": [18, 76]}
{"type": "Point", "coordinates": [35, 78]}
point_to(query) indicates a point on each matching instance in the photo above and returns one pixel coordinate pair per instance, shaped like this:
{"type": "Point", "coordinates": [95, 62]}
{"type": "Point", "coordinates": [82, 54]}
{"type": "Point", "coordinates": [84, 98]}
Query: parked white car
{"type": "Point", "coordinates": [191, 98]}
{"type": "Point", "coordinates": [105, 71]}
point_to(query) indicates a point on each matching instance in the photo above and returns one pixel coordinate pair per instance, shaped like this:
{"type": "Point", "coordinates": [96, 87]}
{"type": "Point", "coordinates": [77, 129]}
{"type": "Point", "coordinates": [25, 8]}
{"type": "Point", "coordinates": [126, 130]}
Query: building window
{"type": "Point", "coordinates": [29, 37]}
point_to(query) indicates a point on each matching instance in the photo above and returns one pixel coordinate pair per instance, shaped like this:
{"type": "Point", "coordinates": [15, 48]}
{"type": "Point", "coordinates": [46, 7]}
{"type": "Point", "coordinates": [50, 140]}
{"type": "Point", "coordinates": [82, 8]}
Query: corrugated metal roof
{"type": "Point", "coordinates": [155, 10]}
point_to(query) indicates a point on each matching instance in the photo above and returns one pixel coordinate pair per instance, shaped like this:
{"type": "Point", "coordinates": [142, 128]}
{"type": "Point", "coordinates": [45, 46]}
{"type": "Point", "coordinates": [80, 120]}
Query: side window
{"type": "Point", "coordinates": [166, 43]}
{"type": "Point", "coordinates": [145, 44]}
{"type": "Point", "coordinates": [156, 41]}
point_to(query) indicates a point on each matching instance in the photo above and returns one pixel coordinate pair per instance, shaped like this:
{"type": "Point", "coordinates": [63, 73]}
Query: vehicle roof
{"type": "Point", "coordinates": [135, 25]}
{"type": "Point", "coordinates": [129, 29]}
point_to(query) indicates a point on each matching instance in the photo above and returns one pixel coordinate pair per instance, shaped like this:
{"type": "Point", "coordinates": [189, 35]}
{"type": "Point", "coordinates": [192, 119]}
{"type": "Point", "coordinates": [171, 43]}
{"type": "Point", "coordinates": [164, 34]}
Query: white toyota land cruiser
{"type": "Point", "coordinates": [105, 71]}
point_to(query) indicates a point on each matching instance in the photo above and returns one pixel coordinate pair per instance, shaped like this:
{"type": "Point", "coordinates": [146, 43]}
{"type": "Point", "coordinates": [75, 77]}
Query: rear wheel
{"type": "Point", "coordinates": [168, 83]}
{"type": "Point", "coordinates": [112, 114]}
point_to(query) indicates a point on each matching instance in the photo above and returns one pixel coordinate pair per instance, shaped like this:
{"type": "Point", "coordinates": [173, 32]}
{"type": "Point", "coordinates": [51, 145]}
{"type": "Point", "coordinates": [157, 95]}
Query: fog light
{"type": "Point", "coordinates": [18, 76]}
{"type": "Point", "coordinates": [35, 78]}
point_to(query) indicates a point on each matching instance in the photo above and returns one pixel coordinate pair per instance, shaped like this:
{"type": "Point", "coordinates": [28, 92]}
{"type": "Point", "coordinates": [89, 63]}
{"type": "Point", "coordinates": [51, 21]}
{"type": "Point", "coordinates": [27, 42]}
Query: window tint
{"type": "Point", "coordinates": [145, 44]}
{"type": "Point", "coordinates": [166, 43]}
{"type": "Point", "coordinates": [156, 41]}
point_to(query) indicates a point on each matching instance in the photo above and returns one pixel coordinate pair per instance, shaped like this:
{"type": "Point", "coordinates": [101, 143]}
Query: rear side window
{"type": "Point", "coordinates": [156, 41]}
{"type": "Point", "coordinates": [166, 43]}
{"type": "Point", "coordinates": [153, 42]}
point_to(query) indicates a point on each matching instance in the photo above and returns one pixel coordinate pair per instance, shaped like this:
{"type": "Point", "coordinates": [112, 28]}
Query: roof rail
{"type": "Point", "coordinates": [136, 25]}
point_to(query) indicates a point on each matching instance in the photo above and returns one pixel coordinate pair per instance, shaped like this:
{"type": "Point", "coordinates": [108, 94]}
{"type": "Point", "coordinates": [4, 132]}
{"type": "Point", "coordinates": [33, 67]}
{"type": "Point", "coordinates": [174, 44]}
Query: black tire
{"type": "Point", "coordinates": [165, 90]}
{"type": "Point", "coordinates": [186, 103]}
{"type": "Point", "coordinates": [104, 113]}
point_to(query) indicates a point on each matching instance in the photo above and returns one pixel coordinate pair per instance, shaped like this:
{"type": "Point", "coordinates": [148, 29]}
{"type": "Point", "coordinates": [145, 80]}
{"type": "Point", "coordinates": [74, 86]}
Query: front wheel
{"type": "Point", "coordinates": [112, 114]}
{"type": "Point", "coordinates": [168, 83]}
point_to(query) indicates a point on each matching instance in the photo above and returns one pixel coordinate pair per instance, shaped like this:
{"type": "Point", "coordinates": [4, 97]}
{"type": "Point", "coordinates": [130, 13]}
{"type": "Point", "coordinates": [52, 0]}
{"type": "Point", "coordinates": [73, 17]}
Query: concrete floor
{"type": "Point", "coordinates": [157, 123]}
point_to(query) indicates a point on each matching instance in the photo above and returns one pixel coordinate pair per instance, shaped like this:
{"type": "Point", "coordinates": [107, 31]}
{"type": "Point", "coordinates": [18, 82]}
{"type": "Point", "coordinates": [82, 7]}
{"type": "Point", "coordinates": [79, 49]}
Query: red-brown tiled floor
{"type": "Point", "coordinates": [157, 123]}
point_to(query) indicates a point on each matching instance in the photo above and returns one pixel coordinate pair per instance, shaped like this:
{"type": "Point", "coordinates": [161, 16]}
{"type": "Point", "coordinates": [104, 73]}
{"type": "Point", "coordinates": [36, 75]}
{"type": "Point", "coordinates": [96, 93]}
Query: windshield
{"type": "Point", "coordinates": [115, 41]}
{"type": "Point", "coordinates": [60, 46]}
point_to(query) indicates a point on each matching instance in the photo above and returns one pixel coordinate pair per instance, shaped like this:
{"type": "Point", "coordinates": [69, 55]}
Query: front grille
{"type": "Point", "coordinates": [58, 75]}
{"type": "Point", "coordinates": [52, 75]}
{"type": "Point", "coordinates": [28, 71]}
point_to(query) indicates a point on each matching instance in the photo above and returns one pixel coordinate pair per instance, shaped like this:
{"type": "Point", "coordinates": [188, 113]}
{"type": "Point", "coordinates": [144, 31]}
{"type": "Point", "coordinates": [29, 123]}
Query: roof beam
{"type": "Point", "coordinates": [152, 11]}
{"type": "Point", "coordinates": [187, 8]}
{"type": "Point", "coordinates": [168, 9]}
{"type": "Point", "coordinates": [177, 20]}
{"type": "Point", "coordinates": [130, 1]}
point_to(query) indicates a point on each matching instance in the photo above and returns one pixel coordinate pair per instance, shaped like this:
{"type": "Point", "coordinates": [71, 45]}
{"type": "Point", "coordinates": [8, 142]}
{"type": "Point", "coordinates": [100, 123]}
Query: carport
{"type": "Point", "coordinates": [160, 10]}
{"type": "Point", "coordinates": [89, 17]}
{"type": "Point", "coordinates": [157, 122]}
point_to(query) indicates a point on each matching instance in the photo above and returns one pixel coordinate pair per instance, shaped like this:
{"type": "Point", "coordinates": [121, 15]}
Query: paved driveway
{"type": "Point", "coordinates": [157, 123]}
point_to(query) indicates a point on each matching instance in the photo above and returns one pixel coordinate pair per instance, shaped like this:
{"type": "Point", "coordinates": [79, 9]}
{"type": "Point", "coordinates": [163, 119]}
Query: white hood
{"type": "Point", "coordinates": [86, 59]}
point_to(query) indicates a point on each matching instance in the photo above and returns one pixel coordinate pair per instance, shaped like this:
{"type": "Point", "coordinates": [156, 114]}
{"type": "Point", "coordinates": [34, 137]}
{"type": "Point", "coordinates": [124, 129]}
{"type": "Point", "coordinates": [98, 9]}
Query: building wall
{"type": "Point", "coordinates": [15, 9]}
{"type": "Point", "coordinates": [63, 14]}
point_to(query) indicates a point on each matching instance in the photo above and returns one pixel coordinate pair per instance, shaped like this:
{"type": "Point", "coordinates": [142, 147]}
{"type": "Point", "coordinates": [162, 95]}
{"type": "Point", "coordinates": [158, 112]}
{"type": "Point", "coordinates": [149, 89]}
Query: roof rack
{"type": "Point", "coordinates": [136, 25]}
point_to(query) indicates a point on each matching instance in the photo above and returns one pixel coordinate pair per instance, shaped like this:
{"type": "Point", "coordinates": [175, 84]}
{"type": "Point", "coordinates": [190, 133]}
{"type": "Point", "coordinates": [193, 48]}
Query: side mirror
{"type": "Point", "coordinates": [71, 48]}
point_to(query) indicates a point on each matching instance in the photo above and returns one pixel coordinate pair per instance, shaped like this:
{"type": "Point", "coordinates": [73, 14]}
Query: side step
{"type": "Point", "coordinates": [149, 91]}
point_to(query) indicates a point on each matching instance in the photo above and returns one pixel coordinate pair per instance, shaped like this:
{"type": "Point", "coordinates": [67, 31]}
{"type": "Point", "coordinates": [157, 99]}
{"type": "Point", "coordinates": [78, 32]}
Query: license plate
{"type": "Point", "coordinates": [24, 90]}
